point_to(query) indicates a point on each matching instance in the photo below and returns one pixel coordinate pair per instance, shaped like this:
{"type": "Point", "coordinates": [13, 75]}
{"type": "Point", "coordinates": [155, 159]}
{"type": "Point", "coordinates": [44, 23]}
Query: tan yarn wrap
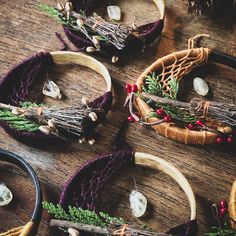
{"type": "Point", "coordinates": [177, 65]}
{"type": "Point", "coordinates": [21, 231]}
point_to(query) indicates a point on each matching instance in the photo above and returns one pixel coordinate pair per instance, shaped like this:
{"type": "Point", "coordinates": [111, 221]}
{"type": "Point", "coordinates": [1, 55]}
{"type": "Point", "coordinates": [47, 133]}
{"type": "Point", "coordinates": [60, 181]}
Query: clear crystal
{"type": "Point", "coordinates": [200, 86]}
{"type": "Point", "coordinates": [5, 195]}
{"type": "Point", "coordinates": [114, 13]}
{"type": "Point", "coordinates": [51, 89]}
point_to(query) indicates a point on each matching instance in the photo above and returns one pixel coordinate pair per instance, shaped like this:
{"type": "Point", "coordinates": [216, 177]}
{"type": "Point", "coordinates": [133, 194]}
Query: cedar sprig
{"type": "Point", "coordinates": [79, 215]}
{"type": "Point", "coordinates": [225, 231]}
{"type": "Point", "coordinates": [20, 123]}
{"type": "Point", "coordinates": [154, 85]}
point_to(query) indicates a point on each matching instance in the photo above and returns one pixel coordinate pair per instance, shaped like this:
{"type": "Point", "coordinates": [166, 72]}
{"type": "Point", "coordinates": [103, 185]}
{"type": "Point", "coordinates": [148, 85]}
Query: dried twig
{"type": "Point", "coordinates": [113, 230]}
{"type": "Point", "coordinates": [223, 112]}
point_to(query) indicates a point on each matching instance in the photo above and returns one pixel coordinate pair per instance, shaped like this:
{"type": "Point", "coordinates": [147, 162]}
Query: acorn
{"type": "Point", "coordinates": [93, 116]}
{"type": "Point", "coordinates": [17, 111]}
{"type": "Point", "coordinates": [91, 141]}
{"type": "Point", "coordinates": [68, 7]}
{"type": "Point", "coordinates": [114, 59]}
{"type": "Point", "coordinates": [45, 129]}
{"type": "Point", "coordinates": [90, 49]}
{"type": "Point", "coordinates": [80, 22]}
{"type": "Point", "coordinates": [51, 124]}
{"type": "Point", "coordinates": [60, 7]}
{"type": "Point", "coordinates": [85, 101]}
{"type": "Point", "coordinates": [73, 232]}
{"type": "Point", "coordinates": [95, 40]}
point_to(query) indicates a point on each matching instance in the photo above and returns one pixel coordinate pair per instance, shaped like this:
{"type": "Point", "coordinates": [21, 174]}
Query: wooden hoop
{"type": "Point", "coordinates": [152, 161]}
{"type": "Point", "coordinates": [161, 6]}
{"type": "Point", "coordinates": [83, 60]}
{"type": "Point", "coordinates": [169, 130]}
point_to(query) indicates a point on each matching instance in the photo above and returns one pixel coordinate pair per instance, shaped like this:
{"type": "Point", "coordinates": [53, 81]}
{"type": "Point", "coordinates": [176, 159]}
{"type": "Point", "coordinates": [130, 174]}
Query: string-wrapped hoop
{"type": "Point", "coordinates": [92, 34]}
{"type": "Point", "coordinates": [31, 227]}
{"type": "Point", "coordinates": [175, 66]}
{"type": "Point", "coordinates": [16, 84]}
{"type": "Point", "coordinates": [83, 188]}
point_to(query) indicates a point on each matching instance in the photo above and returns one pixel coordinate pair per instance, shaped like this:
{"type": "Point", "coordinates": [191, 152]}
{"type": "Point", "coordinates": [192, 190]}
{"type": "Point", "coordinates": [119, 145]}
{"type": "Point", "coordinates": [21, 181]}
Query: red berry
{"type": "Point", "coordinates": [223, 204]}
{"type": "Point", "coordinates": [131, 119]}
{"type": "Point", "coordinates": [230, 139]}
{"type": "Point", "coordinates": [190, 126]}
{"type": "Point", "coordinates": [134, 88]}
{"type": "Point", "coordinates": [219, 139]}
{"type": "Point", "coordinates": [160, 112]}
{"type": "Point", "coordinates": [167, 119]}
{"type": "Point", "coordinates": [223, 211]}
{"type": "Point", "coordinates": [200, 123]}
{"type": "Point", "coordinates": [128, 88]}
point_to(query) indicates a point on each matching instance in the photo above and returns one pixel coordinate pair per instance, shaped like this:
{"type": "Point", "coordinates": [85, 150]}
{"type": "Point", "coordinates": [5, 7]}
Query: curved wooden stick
{"type": "Point", "coordinates": [152, 161]}
{"type": "Point", "coordinates": [232, 205]}
{"type": "Point", "coordinates": [83, 60]}
{"type": "Point", "coordinates": [161, 6]}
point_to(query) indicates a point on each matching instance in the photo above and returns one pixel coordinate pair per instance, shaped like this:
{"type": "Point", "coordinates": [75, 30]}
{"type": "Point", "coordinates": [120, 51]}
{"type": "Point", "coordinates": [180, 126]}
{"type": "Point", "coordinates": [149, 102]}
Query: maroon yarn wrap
{"type": "Point", "coordinates": [147, 33]}
{"type": "Point", "coordinates": [15, 87]}
{"type": "Point", "coordinates": [83, 188]}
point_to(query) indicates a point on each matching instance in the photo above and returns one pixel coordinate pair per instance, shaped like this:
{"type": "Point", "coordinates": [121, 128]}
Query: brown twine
{"type": "Point", "coordinates": [121, 232]}
{"type": "Point", "coordinates": [204, 106]}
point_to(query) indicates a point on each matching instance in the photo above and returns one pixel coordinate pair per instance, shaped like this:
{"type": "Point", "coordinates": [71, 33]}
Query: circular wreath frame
{"type": "Point", "coordinates": [177, 65]}
{"type": "Point", "coordinates": [31, 227]}
{"type": "Point", "coordinates": [147, 33]}
{"type": "Point", "coordinates": [16, 84]}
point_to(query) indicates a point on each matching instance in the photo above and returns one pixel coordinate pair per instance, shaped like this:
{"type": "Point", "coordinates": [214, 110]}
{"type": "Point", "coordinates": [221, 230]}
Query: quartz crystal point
{"type": "Point", "coordinates": [5, 195]}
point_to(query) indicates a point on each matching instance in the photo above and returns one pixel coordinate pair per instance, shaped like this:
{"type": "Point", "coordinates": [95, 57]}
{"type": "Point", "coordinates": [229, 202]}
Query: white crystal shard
{"type": "Point", "coordinates": [5, 195]}
{"type": "Point", "coordinates": [200, 86]}
{"type": "Point", "coordinates": [51, 89]}
{"type": "Point", "coordinates": [138, 203]}
{"type": "Point", "coordinates": [114, 13]}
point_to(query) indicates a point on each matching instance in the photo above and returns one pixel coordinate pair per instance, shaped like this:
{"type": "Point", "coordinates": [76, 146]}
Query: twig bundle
{"type": "Point", "coordinates": [62, 121]}
{"type": "Point", "coordinates": [223, 112]}
{"type": "Point", "coordinates": [204, 6]}
{"type": "Point", "coordinates": [112, 230]}
{"type": "Point", "coordinates": [114, 33]}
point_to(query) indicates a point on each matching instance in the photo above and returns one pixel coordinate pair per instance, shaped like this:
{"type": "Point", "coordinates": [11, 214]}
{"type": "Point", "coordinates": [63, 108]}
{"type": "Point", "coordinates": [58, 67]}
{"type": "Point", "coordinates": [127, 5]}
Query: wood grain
{"type": "Point", "coordinates": [210, 170]}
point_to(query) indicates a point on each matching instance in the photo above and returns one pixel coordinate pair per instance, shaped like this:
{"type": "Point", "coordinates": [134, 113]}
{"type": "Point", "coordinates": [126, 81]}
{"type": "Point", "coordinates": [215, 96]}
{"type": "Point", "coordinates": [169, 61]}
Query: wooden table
{"type": "Point", "coordinates": [25, 30]}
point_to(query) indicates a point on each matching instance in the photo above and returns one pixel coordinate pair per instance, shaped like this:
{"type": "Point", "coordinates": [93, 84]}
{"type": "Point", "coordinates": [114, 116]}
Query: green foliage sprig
{"type": "Point", "coordinates": [154, 86]}
{"type": "Point", "coordinates": [226, 231]}
{"type": "Point", "coordinates": [79, 215]}
{"type": "Point", "coordinates": [20, 123]}
{"type": "Point", "coordinates": [70, 23]}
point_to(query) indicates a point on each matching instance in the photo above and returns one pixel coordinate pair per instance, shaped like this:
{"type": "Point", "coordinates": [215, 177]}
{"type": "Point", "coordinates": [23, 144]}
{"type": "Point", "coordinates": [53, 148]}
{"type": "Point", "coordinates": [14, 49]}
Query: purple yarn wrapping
{"type": "Point", "coordinates": [15, 87]}
{"type": "Point", "coordinates": [148, 32]}
{"type": "Point", "coordinates": [189, 228]}
{"type": "Point", "coordinates": [83, 188]}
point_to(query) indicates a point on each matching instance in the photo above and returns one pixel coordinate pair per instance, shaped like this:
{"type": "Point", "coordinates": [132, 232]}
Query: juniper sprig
{"type": "Point", "coordinates": [79, 215]}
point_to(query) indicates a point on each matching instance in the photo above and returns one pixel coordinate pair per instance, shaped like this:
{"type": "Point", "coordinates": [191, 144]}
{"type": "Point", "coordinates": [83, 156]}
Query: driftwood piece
{"type": "Point", "coordinates": [104, 231]}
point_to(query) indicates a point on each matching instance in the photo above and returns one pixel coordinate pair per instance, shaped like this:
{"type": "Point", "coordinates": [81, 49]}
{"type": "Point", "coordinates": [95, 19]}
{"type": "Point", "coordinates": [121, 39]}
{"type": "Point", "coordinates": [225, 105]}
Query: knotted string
{"type": "Point", "coordinates": [121, 232]}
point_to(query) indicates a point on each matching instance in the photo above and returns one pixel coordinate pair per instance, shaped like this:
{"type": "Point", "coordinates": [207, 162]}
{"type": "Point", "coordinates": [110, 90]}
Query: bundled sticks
{"type": "Point", "coordinates": [223, 112]}
{"type": "Point", "coordinates": [64, 121]}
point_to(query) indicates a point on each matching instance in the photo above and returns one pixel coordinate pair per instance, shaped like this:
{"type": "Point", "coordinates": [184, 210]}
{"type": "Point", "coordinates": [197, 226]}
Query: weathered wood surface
{"type": "Point", "coordinates": [210, 169]}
